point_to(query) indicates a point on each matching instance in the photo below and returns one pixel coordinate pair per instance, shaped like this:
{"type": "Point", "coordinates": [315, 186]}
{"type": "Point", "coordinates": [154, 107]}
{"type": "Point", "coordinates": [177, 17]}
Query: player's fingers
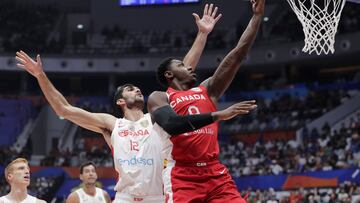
{"type": "Point", "coordinates": [237, 108]}
{"type": "Point", "coordinates": [210, 9]}
{"type": "Point", "coordinates": [206, 9]}
{"type": "Point", "coordinates": [25, 55]}
{"type": "Point", "coordinates": [214, 12]}
{"type": "Point", "coordinates": [248, 108]}
{"type": "Point", "coordinates": [251, 107]}
{"type": "Point", "coordinates": [19, 54]}
{"type": "Point", "coordinates": [20, 65]}
{"type": "Point", "coordinates": [197, 17]}
{"type": "Point", "coordinates": [38, 60]}
{"type": "Point", "coordinates": [20, 60]}
{"type": "Point", "coordinates": [248, 102]}
{"type": "Point", "coordinates": [218, 17]}
{"type": "Point", "coordinates": [245, 104]}
{"type": "Point", "coordinates": [243, 112]}
{"type": "Point", "coordinates": [243, 109]}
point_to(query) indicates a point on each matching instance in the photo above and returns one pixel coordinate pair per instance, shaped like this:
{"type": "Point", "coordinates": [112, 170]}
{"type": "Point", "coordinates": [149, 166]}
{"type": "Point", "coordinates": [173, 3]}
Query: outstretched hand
{"type": "Point", "coordinates": [240, 108]}
{"type": "Point", "coordinates": [27, 63]}
{"type": "Point", "coordinates": [209, 19]}
{"type": "Point", "coordinates": [258, 6]}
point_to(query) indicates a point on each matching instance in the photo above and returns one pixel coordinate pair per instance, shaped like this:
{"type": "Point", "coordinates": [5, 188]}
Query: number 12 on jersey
{"type": "Point", "coordinates": [134, 146]}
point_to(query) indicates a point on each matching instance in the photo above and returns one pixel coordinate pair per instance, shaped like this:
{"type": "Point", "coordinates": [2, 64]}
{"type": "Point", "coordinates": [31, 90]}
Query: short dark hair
{"type": "Point", "coordinates": [88, 163]}
{"type": "Point", "coordinates": [162, 68]}
{"type": "Point", "coordinates": [118, 95]}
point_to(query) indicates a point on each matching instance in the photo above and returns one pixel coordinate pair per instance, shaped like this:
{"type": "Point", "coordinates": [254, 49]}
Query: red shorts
{"type": "Point", "coordinates": [199, 183]}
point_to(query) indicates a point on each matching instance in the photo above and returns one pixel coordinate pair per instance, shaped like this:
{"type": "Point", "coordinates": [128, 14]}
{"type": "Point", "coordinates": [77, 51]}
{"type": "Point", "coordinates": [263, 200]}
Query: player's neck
{"type": "Point", "coordinates": [18, 193]}
{"type": "Point", "coordinates": [90, 189]}
{"type": "Point", "coordinates": [133, 114]}
{"type": "Point", "coordinates": [176, 85]}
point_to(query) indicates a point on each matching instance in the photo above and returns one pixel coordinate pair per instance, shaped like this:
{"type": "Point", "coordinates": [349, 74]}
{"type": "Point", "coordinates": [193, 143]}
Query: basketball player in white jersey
{"type": "Point", "coordinates": [135, 145]}
{"type": "Point", "coordinates": [88, 193]}
{"type": "Point", "coordinates": [17, 174]}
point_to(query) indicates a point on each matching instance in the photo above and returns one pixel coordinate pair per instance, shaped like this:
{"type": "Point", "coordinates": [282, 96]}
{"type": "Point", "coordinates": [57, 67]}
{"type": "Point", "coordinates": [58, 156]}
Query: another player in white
{"type": "Point", "coordinates": [88, 193]}
{"type": "Point", "coordinates": [137, 154]}
{"type": "Point", "coordinates": [17, 174]}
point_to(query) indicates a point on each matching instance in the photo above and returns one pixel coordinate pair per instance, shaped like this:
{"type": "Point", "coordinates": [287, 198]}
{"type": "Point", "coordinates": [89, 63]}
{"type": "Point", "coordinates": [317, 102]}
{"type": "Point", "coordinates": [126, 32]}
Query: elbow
{"type": "Point", "coordinates": [63, 112]}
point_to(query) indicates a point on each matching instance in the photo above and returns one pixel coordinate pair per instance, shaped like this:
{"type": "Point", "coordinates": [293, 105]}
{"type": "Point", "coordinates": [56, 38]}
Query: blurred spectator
{"type": "Point", "coordinates": [286, 112]}
{"type": "Point", "coordinates": [329, 151]}
{"type": "Point", "coordinates": [348, 192]}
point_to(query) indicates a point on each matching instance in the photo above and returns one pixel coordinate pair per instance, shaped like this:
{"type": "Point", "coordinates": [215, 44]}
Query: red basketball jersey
{"type": "Point", "coordinates": [201, 144]}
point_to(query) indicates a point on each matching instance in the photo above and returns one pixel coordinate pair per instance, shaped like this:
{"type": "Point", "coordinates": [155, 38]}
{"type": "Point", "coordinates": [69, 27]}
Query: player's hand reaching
{"type": "Point", "coordinates": [209, 19]}
{"type": "Point", "coordinates": [236, 109]}
{"type": "Point", "coordinates": [258, 6]}
{"type": "Point", "coordinates": [25, 62]}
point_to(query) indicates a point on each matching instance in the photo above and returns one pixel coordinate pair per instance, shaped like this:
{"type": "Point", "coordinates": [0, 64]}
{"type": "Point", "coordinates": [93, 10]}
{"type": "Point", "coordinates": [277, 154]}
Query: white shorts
{"type": "Point", "coordinates": [127, 198]}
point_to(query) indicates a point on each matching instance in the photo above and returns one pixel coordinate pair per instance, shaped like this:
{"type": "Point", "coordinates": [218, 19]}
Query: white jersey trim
{"type": "Point", "coordinates": [99, 194]}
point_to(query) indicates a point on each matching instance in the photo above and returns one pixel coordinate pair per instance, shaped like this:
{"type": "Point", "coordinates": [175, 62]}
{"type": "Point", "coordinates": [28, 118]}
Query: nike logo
{"type": "Point", "coordinates": [223, 171]}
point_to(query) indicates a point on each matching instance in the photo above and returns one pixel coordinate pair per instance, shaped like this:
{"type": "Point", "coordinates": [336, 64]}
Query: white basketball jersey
{"type": "Point", "coordinates": [85, 198]}
{"type": "Point", "coordinates": [137, 156]}
{"type": "Point", "coordinates": [29, 199]}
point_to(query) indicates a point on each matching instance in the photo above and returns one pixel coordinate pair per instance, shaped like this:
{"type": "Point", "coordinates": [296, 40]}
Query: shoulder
{"type": "Point", "coordinates": [157, 97]}
{"type": "Point", "coordinates": [106, 195]}
{"type": "Point", "coordinates": [109, 117]}
{"type": "Point", "coordinates": [157, 94]}
{"type": "Point", "coordinates": [73, 197]}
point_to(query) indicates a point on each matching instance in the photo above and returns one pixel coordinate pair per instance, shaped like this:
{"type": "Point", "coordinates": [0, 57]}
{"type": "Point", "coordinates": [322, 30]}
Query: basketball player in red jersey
{"type": "Point", "coordinates": [194, 173]}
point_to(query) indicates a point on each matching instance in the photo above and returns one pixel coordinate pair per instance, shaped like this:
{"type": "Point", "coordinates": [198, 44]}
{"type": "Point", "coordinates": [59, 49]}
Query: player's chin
{"type": "Point", "coordinates": [140, 99]}
{"type": "Point", "coordinates": [92, 181]}
{"type": "Point", "coordinates": [193, 80]}
{"type": "Point", "coordinates": [26, 182]}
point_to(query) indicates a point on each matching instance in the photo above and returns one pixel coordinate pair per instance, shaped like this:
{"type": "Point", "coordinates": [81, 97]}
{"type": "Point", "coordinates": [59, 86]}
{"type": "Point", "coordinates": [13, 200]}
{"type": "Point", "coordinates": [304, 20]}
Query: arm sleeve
{"type": "Point", "coordinates": [175, 124]}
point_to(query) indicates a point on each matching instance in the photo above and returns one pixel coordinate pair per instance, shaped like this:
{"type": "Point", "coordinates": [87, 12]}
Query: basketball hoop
{"type": "Point", "coordinates": [320, 19]}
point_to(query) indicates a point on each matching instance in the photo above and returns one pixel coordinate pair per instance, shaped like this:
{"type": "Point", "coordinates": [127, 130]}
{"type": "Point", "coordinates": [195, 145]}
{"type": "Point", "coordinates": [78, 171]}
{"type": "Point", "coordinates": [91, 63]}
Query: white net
{"type": "Point", "coordinates": [320, 19]}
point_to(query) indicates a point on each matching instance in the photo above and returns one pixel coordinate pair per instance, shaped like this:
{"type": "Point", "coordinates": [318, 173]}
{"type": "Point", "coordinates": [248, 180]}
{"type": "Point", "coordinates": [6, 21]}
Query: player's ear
{"type": "Point", "coordinates": [169, 75]}
{"type": "Point", "coordinates": [120, 101]}
{"type": "Point", "coordinates": [9, 176]}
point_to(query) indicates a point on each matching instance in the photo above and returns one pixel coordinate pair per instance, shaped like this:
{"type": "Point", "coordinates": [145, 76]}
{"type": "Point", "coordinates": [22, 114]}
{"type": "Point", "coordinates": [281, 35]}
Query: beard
{"type": "Point", "coordinates": [137, 102]}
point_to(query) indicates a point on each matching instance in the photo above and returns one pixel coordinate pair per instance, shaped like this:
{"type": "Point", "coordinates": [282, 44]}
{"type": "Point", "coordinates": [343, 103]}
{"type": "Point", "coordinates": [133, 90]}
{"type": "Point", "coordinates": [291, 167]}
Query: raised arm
{"type": "Point", "coordinates": [205, 26]}
{"type": "Point", "coordinates": [225, 73]}
{"type": "Point", "coordinates": [175, 124]}
{"type": "Point", "coordinates": [97, 122]}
